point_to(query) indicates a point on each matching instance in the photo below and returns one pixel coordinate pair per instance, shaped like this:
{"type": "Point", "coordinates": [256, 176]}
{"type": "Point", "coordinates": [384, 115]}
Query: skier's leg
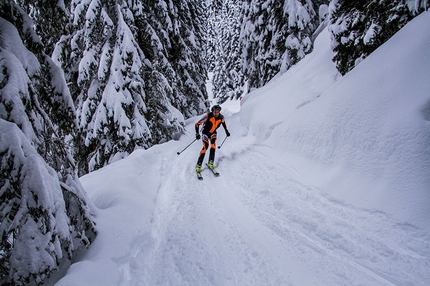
{"type": "Point", "coordinates": [205, 141]}
{"type": "Point", "coordinates": [212, 149]}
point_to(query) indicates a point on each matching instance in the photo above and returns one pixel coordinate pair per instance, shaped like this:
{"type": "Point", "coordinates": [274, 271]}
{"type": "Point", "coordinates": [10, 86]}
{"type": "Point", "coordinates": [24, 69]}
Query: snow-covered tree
{"type": "Point", "coordinates": [359, 27]}
{"type": "Point", "coordinates": [276, 34]}
{"type": "Point", "coordinates": [226, 20]}
{"type": "Point", "coordinates": [44, 221]}
{"type": "Point", "coordinates": [419, 6]}
{"type": "Point", "coordinates": [187, 36]}
{"type": "Point", "coordinates": [49, 18]}
{"type": "Point", "coordinates": [136, 70]}
{"type": "Point", "coordinates": [303, 22]}
{"type": "Point", "coordinates": [45, 218]}
{"type": "Point", "coordinates": [213, 19]}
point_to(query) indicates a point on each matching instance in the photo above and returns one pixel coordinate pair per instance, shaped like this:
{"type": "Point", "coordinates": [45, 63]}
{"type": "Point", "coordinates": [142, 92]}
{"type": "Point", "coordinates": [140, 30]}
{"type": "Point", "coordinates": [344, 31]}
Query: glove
{"type": "Point", "coordinates": [198, 136]}
{"type": "Point", "coordinates": [227, 133]}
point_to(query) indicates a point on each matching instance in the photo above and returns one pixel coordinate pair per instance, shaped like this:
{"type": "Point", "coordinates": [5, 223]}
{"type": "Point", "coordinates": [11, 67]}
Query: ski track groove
{"type": "Point", "coordinates": [315, 216]}
{"type": "Point", "coordinates": [226, 231]}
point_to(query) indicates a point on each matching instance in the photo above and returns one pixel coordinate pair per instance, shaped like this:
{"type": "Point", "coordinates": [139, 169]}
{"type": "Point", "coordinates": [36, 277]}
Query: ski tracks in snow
{"type": "Point", "coordinates": [271, 228]}
{"type": "Point", "coordinates": [353, 246]}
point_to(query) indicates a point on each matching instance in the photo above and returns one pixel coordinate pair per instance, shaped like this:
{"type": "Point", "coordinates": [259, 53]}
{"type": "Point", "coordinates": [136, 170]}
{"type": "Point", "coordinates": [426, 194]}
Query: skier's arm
{"type": "Point", "coordinates": [200, 122]}
{"type": "Point", "coordinates": [225, 128]}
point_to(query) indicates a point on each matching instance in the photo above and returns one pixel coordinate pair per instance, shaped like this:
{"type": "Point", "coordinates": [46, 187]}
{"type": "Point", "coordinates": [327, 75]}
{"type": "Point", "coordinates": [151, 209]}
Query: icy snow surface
{"type": "Point", "coordinates": [324, 181]}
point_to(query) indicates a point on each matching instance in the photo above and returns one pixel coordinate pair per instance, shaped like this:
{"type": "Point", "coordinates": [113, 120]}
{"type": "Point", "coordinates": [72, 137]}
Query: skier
{"type": "Point", "coordinates": [212, 122]}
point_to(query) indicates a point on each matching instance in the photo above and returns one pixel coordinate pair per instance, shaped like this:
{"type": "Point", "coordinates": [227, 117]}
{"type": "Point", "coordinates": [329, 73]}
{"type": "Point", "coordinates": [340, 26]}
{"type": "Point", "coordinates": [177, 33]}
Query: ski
{"type": "Point", "coordinates": [199, 175]}
{"type": "Point", "coordinates": [213, 170]}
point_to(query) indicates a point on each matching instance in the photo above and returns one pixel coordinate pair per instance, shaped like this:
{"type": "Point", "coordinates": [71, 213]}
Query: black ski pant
{"type": "Point", "coordinates": [209, 140]}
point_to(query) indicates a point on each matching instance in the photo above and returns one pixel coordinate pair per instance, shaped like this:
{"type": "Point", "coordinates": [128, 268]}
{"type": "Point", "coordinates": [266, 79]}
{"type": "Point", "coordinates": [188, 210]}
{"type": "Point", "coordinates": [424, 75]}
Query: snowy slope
{"type": "Point", "coordinates": [324, 181]}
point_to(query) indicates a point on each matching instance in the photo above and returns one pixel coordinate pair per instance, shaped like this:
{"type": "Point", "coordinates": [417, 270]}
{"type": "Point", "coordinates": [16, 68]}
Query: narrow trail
{"type": "Point", "coordinates": [271, 229]}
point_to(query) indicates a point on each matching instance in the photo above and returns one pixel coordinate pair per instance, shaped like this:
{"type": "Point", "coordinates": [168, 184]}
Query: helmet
{"type": "Point", "coordinates": [217, 107]}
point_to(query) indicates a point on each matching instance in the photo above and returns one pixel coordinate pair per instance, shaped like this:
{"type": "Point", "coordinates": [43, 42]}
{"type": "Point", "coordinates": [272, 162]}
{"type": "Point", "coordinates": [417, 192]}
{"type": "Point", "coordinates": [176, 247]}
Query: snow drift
{"type": "Point", "coordinates": [367, 135]}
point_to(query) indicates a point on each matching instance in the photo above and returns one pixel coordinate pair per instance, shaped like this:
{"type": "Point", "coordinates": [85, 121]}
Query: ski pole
{"type": "Point", "coordinates": [186, 147]}
{"type": "Point", "coordinates": [219, 147]}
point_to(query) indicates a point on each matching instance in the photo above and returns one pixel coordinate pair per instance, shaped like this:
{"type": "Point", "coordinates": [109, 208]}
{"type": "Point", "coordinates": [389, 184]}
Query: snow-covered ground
{"type": "Point", "coordinates": [324, 181]}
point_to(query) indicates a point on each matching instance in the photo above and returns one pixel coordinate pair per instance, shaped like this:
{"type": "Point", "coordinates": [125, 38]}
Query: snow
{"type": "Point", "coordinates": [324, 181]}
{"type": "Point", "coordinates": [297, 14]}
{"type": "Point", "coordinates": [91, 12]}
{"type": "Point", "coordinates": [85, 65]}
{"type": "Point", "coordinates": [11, 41]}
{"type": "Point", "coordinates": [59, 82]}
{"type": "Point", "coordinates": [15, 62]}
{"type": "Point", "coordinates": [323, 12]}
{"type": "Point", "coordinates": [78, 6]}
{"type": "Point", "coordinates": [370, 34]}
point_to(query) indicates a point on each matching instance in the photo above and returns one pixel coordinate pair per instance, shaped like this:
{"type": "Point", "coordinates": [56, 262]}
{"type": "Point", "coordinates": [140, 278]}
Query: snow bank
{"type": "Point", "coordinates": [365, 136]}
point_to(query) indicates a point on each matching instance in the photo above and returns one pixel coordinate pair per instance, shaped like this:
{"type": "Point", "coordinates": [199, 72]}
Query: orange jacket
{"type": "Point", "coordinates": [211, 123]}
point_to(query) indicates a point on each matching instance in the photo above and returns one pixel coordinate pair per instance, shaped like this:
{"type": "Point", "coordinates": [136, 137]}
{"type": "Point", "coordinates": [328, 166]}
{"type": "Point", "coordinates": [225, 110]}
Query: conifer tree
{"type": "Point", "coordinates": [228, 80]}
{"type": "Point", "coordinates": [276, 34]}
{"type": "Point", "coordinates": [49, 17]}
{"type": "Point", "coordinates": [214, 8]}
{"type": "Point", "coordinates": [44, 211]}
{"type": "Point", "coordinates": [359, 27]}
{"type": "Point", "coordinates": [137, 71]}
